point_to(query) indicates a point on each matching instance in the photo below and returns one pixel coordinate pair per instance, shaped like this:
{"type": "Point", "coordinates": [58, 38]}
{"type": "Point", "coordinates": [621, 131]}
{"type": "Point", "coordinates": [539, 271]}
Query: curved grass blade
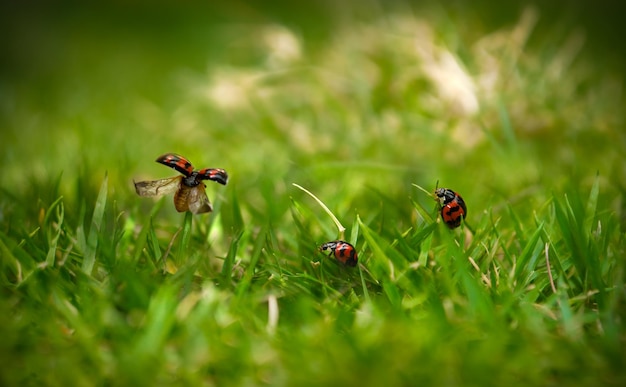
{"type": "Point", "coordinates": [340, 227]}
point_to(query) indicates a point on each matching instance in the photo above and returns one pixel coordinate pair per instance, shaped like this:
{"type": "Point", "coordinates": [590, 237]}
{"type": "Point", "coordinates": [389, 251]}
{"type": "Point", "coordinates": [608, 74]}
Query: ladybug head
{"type": "Point", "coordinates": [191, 180]}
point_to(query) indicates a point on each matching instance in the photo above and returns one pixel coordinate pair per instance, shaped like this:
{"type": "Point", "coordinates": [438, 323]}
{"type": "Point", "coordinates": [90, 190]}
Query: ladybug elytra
{"type": "Point", "coordinates": [343, 252]}
{"type": "Point", "coordinates": [453, 207]}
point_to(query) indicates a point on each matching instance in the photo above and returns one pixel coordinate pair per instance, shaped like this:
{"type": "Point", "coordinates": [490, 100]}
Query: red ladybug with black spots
{"type": "Point", "coordinates": [453, 208]}
{"type": "Point", "coordinates": [343, 252]}
{"type": "Point", "coordinates": [189, 190]}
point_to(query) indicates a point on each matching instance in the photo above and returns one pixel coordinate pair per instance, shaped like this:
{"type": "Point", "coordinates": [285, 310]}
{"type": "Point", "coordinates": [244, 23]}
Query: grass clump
{"type": "Point", "coordinates": [100, 286]}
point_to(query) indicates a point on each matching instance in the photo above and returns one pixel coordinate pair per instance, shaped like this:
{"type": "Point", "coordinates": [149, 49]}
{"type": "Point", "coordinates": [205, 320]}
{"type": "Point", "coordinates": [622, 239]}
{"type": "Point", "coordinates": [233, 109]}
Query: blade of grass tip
{"type": "Point", "coordinates": [591, 256]}
{"type": "Point", "coordinates": [423, 189]}
{"type": "Point", "coordinates": [52, 249]}
{"type": "Point", "coordinates": [572, 237]}
{"type": "Point", "coordinates": [353, 238]}
{"type": "Point", "coordinates": [340, 227]}
{"type": "Point", "coordinates": [592, 204]}
{"type": "Point", "coordinates": [579, 238]}
{"type": "Point", "coordinates": [573, 218]}
{"type": "Point", "coordinates": [426, 214]}
{"type": "Point", "coordinates": [49, 212]}
{"type": "Point", "coordinates": [81, 239]}
{"type": "Point", "coordinates": [517, 224]}
{"type": "Point", "coordinates": [126, 229]}
{"type": "Point", "coordinates": [355, 232]}
{"type": "Point", "coordinates": [89, 258]}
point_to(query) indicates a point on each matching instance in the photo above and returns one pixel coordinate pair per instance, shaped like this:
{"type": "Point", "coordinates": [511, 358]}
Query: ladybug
{"type": "Point", "coordinates": [190, 194]}
{"type": "Point", "coordinates": [453, 207]}
{"type": "Point", "coordinates": [343, 251]}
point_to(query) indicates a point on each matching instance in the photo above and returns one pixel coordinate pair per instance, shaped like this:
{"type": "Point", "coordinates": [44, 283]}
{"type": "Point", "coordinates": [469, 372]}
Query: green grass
{"type": "Point", "coordinates": [102, 287]}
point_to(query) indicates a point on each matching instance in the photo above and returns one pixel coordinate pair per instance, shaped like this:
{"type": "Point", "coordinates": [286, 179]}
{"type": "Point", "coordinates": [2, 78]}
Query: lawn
{"type": "Point", "coordinates": [326, 117]}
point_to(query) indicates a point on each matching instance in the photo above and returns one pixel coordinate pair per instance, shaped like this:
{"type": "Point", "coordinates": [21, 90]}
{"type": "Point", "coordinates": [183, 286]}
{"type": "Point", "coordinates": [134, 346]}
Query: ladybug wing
{"type": "Point", "coordinates": [346, 253]}
{"type": "Point", "coordinates": [177, 162]}
{"type": "Point", "coordinates": [198, 201]}
{"type": "Point", "coordinates": [158, 187]}
{"type": "Point", "coordinates": [214, 174]}
{"type": "Point", "coordinates": [461, 202]}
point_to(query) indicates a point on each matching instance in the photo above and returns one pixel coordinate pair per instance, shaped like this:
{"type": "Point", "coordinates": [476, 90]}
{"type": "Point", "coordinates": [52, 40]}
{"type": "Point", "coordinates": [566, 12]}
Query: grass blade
{"type": "Point", "coordinates": [255, 255]}
{"type": "Point", "coordinates": [592, 204]}
{"type": "Point", "coordinates": [52, 244]}
{"type": "Point", "coordinates": [89, 259]}
{"type": "Point", "coordinates": [153, 244]}
{"type": "Point", "coordinates": [183, 248]}
{"type": "Point", "coordinates": [229, 262]}
{"type": "Point", "coordinates": [528, 258]}
{"type": "Point", "coordinates": [340, 228]}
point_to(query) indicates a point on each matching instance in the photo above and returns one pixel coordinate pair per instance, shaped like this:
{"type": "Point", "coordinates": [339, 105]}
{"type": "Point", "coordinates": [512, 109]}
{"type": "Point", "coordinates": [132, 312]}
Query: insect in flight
{"type": "Point", "coordinates": [189, 190]}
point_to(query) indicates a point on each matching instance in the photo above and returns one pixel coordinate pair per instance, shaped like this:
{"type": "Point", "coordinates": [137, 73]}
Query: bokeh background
{"type": "Point", "coordinates": [517, 105]}
{"type": "Point", "coordinates": [89, 88]}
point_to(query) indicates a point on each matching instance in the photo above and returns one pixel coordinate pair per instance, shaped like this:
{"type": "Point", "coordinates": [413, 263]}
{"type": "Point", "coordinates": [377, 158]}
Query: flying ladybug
{"type": "Point", "coordinates": [190, 194]}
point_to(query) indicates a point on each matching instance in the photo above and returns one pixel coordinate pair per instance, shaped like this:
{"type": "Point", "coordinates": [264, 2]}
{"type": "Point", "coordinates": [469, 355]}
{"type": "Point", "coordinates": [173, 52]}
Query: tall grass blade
{"type": "Point", "coordinates": [592, 204]}
{"type": "Point", "coordinates": [529, 256]}
{"type": "Point", "coordinates": [56, 207]}
{"type": "Point", "coordinates": [153, 244]}
{"type": "Point", "coordinates": [340, 228]}
{"type": "Point", "coordinates": [89, 259]}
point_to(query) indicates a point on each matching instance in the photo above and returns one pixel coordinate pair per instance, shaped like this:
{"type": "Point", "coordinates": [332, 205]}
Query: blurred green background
{"type": "Point", "coordinates": [516, 105]}
{"type": "Point", "coordinates": [108, 87]}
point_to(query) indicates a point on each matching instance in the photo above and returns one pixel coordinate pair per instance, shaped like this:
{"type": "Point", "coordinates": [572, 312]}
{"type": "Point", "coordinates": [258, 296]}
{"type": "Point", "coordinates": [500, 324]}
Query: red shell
{"type": "Point", "coordinates": [343, 252]}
